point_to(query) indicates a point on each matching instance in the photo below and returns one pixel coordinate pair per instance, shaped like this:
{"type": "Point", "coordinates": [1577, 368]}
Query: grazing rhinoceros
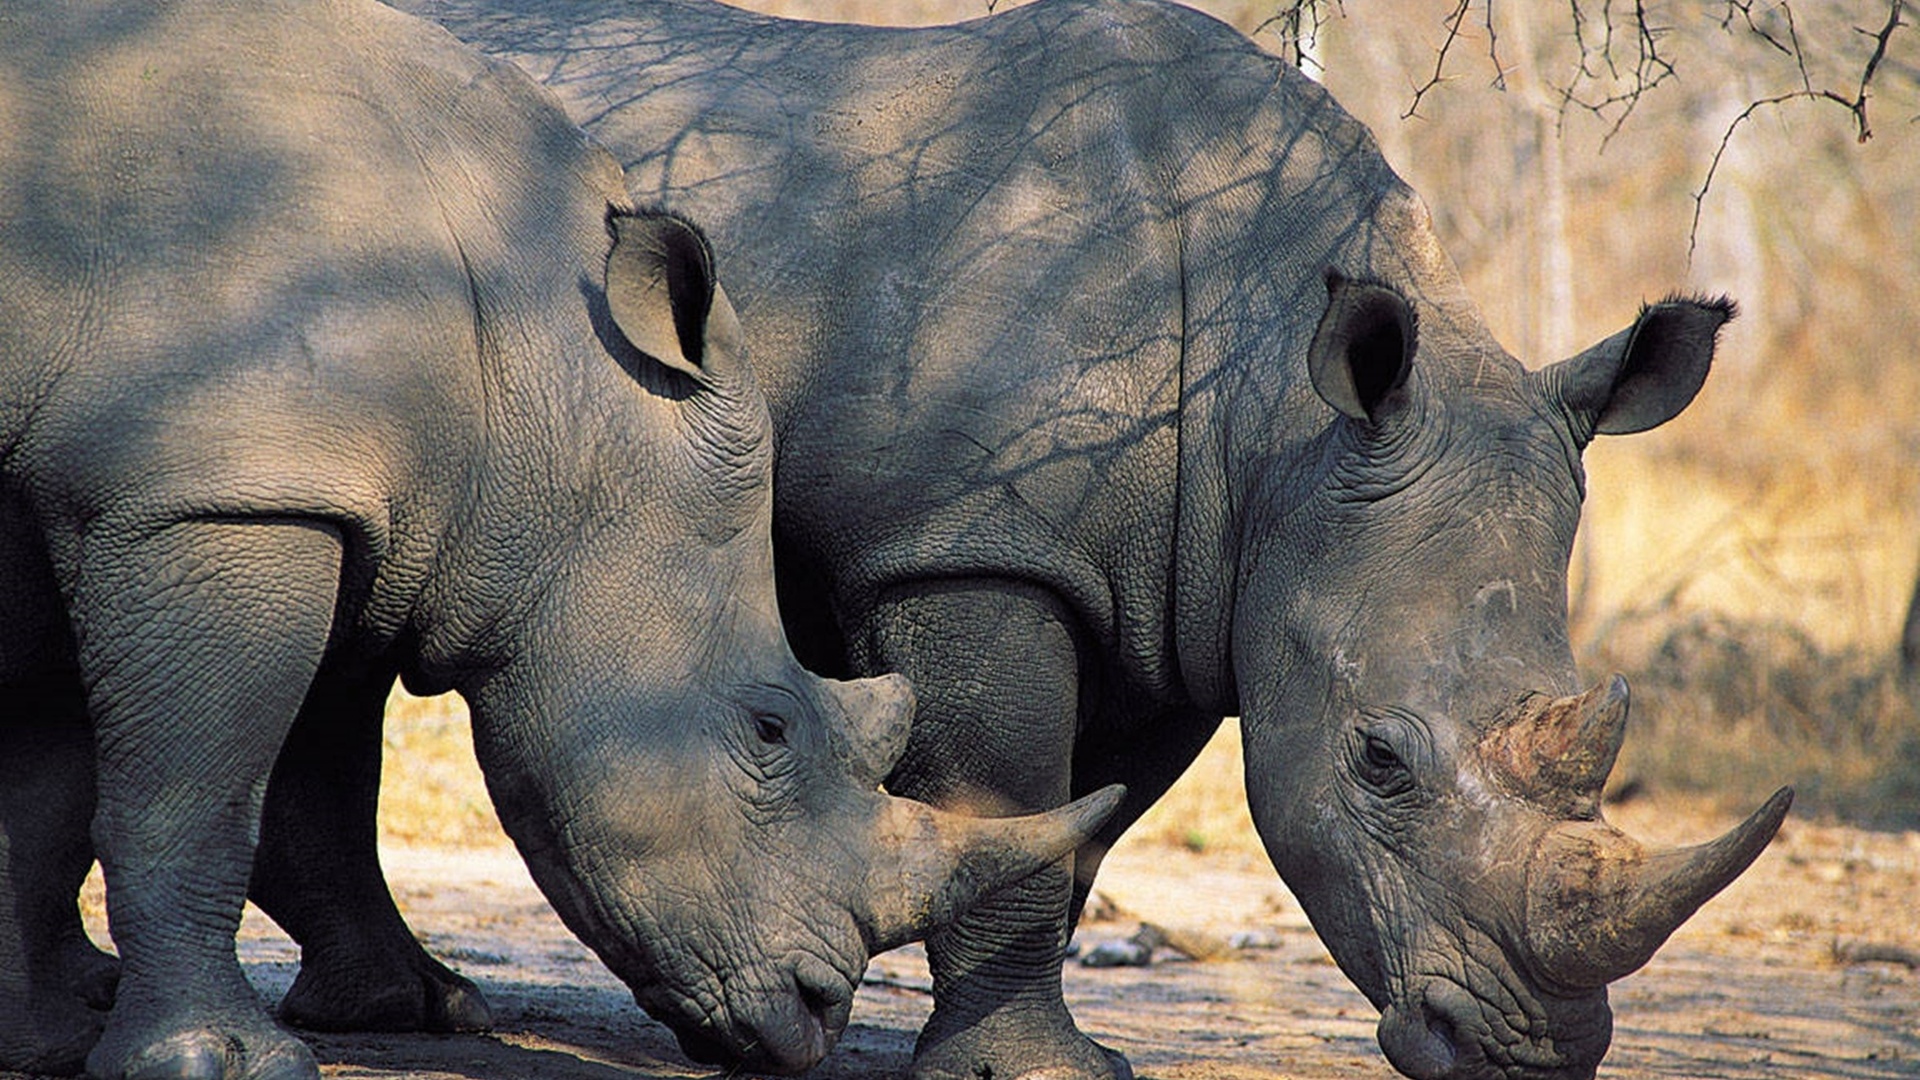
{"type": "Point", "coordinates": [1119, 385]}
{"type": "Point", "coordinates": [322, 358]}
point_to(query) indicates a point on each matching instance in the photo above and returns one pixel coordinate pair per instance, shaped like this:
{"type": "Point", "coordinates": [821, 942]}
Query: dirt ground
{"type": "Point", "coordinates": [1776, 978]}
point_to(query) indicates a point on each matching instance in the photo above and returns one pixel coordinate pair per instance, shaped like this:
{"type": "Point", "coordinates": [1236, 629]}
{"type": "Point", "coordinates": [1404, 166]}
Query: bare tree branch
{"type": "Point", "coordinates": [1856, 105]}
{"type": "Point", "coordinates": [1297, 23]}
{"type": "Point", "coordinates": [1859, 104]}
{"type": "Point", "coordinates": [1452, 22]}
{"type": "Point", "coordinates": [1744, 8]}
{"type": "Point", "coordinates": [1603, 62]}
{"type": "Point", "coordinates": [1622, 57]}
{"type": "Point", "coordinates": [1618, 82]}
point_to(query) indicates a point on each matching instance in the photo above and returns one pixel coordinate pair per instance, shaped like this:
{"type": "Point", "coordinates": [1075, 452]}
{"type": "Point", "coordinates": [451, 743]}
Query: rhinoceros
{"type": "Point", "coordinates": [330, 350]}
{"type": "Point", "coordinates": [1119, 386]}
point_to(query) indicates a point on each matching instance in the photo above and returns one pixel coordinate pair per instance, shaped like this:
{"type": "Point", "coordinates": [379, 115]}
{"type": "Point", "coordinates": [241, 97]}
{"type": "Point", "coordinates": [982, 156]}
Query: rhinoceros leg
{"type": "Point", "coordinates": [198, 642]}
{"type": "Point", "coordinates": [317, 872]}
{"type": "Point", "coordinates": [996, 670]}
{"type": "Point", "coordinates": [55, 986]}
{"type": "Point", "coordinates": [1147, 751]}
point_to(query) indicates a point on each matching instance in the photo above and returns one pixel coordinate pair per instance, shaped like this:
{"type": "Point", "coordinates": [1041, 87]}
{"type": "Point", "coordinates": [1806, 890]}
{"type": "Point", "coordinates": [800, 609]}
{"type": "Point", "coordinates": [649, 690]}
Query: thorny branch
{"type": "Point", "coordinates": [1597, 34]}
{"type": "Point", "coordinates": [1856, 104]}
{"type": "Point", "coordinates": [1297, 23]}
{"type": "Point", "coordinates": [1454, 23]}
{"type": "Point", "coordinates": [1601, 61]}
{"type": "Point", "coordinates": [1611, 76]}
{"type": "Point", "coordinates": [1621, 59]}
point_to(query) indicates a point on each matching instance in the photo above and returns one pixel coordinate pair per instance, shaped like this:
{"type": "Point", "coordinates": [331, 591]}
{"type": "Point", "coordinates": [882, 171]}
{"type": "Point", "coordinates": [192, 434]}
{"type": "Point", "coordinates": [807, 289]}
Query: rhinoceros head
{"type": "Point", "coordinates": [700, 809]}
{"type": "Point", "coordinates": [739, 874]}
{"type": "Point", "coordinates": [1423, 771]}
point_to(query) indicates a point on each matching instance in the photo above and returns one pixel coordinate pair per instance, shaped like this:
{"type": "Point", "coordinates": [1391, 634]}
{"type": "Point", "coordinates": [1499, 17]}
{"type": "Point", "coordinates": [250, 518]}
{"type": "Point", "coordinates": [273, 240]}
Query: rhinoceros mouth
{"type": "Point", "coordinates": [784, 1031]}
{"type": "Point", "coordinates": [1421, 1045]}
{"type": "Point", "coordinates": [1444, 1031]}
{"type": "Point", "coordinates": [795, 1049]}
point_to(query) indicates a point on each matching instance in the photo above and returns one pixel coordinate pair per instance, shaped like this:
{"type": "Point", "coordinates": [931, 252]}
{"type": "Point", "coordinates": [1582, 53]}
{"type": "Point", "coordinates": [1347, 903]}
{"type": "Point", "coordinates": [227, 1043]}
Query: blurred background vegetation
{"type": "Point", "coordinates": [1747, 566]}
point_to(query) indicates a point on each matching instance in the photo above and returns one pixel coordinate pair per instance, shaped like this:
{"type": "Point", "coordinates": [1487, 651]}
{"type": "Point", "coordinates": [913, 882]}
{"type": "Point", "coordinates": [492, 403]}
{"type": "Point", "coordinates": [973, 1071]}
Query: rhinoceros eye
{"type": "Point", "coordinates": [1379, 755]}
{"type": "Point", "coordinates": [1380, 767]}
{"type": "Point", "coordinates": [771, 729]}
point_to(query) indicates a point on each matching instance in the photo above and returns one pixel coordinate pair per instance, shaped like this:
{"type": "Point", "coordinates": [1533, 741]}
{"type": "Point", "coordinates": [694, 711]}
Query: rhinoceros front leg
{"type": "Point", "coordinates": [55, 986]}
{"type": "Point", "coordinates": [197, 643]}
{"type": "Point", "coordinates": [1144, 749]}
{"type": "Point", "coordinates": [317, 873]}
{"type": "Point", "coordinates": [995, 667]}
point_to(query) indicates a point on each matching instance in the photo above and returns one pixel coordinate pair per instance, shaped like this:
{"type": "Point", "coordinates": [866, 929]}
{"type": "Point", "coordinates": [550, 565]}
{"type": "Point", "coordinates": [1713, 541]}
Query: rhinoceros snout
{"type": "Point", "coordinates": [1418, 1042]}
{"type": "Point", "coordinates": [1445, 1032]}
{"type": "Point", "coordinates": [786, 1033]}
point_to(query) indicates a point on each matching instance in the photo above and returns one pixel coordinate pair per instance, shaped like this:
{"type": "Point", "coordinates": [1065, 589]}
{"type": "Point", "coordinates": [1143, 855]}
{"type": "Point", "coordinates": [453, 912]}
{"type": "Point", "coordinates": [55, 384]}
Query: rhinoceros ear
{"type": "Point", "coordinates": [663, 295]}
{"type": "Point", "coordinates": [1644, 375]}
{"type": "Point", "coordinates": [1364, 346]}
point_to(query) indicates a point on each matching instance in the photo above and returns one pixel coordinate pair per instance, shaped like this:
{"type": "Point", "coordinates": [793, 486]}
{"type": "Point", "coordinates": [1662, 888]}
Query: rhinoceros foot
{"type": "Point", "coordinates": [419, 995]}
{"type": "Point", "coordinates": [1035, 1043]}
{"type": "Point", "coordinates": [241, 1052]}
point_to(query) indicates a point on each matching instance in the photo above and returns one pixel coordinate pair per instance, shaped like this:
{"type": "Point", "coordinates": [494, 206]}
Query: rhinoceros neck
{"type": "Point", "coordinates": [1259, 231]}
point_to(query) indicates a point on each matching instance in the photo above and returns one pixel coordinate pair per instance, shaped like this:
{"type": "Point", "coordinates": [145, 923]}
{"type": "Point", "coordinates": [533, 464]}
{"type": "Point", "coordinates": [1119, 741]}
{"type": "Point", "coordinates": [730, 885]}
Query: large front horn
{"type": "Point", "coordinates": [929, 866]}
{"type": "Point", "coordinates": [1598, 904]}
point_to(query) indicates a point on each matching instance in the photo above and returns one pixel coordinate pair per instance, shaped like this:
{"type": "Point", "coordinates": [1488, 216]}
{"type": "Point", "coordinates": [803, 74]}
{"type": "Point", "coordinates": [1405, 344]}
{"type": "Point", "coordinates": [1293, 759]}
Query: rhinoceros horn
{"type": "Point", "coordinates": [929, 866]}
{"type": "Point", "coordinates": [1559, 752]}
{"type": "Point", "coordinates": [1598, 904]}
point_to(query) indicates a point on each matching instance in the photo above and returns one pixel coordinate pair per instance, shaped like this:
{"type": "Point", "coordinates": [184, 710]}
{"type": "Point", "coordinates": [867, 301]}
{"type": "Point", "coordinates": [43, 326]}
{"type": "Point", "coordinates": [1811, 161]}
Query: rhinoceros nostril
{"type": "Point", "coordinates": [825, 994]}
{"type": "Point", "coordinates": [1418, 1041]}
{"type": "Point", "coordinates": [1442, 1042]}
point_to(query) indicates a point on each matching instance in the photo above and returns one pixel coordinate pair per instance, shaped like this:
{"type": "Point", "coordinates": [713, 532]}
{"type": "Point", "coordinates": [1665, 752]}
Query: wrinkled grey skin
{"type": "Point", "coordinates": [322, 360]}
{"type": "Point", "coordinates": [1119, 385]}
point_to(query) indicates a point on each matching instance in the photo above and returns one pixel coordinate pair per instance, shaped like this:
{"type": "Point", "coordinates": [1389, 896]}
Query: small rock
{"type": "Point", "coordinates": [1856, 951]}
{"type": "Point", "coordinates": [1127, 953]}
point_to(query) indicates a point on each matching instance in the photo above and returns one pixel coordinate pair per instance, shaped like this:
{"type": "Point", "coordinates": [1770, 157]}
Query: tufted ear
{"type": "Point", "coordinates": [663, 295]}
{"type": "Point", "coordinates": [1364, 346]}
{"type": "Point", "coordinates": [1644, 375]}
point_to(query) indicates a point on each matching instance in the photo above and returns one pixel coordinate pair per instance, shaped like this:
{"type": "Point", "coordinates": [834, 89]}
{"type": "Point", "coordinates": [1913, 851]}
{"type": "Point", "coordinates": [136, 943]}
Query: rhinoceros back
{"type": "Point", "coordinates": [1022, 270]}
{"type": "Point", "coordinates": [280, 219]}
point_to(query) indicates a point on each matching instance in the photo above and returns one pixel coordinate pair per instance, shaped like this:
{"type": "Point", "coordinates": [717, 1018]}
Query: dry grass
{"type": "Point", "coordinates": [1733, 709]}
{"type": "Point", "coordinates": [1756, 611]}
{"type": "Point", "coordinates": [1749, 574]}
{"type": "Point", "coordinates": [431, 792]}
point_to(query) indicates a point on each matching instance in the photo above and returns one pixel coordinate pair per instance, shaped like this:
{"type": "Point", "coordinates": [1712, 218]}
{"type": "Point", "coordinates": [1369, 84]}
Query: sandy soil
{"type": "Point", "coordinates": [1775, 978]}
